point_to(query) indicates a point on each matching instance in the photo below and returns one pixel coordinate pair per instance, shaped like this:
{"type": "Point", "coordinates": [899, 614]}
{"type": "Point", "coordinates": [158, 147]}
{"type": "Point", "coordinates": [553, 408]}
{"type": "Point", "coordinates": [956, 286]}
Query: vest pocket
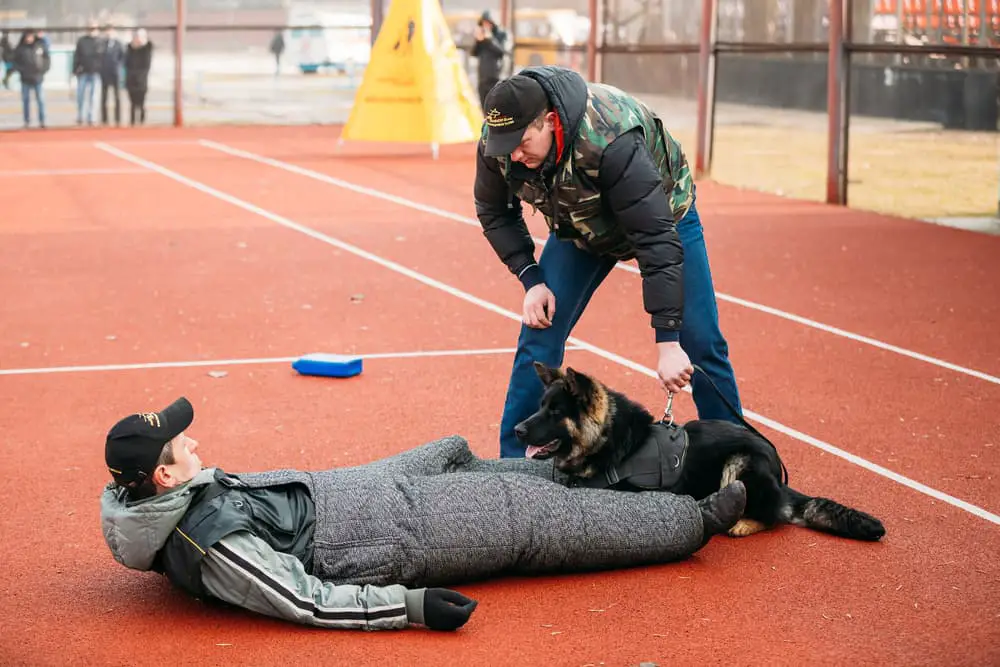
{"type": "Point", "coordinates": [376, 561]}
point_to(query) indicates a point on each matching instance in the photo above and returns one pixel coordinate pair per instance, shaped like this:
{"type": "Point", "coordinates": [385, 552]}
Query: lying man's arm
{"type": "Point", "coordinates": [245, 571]}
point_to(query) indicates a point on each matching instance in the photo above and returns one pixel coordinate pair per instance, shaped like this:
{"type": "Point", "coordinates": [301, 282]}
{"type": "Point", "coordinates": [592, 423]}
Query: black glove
{"type": "Point", "coordinates": [445, 609]}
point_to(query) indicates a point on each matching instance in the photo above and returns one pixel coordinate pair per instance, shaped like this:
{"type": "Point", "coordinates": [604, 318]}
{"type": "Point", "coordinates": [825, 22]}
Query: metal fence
{"type": "Point", "coordinates": [884, 104]}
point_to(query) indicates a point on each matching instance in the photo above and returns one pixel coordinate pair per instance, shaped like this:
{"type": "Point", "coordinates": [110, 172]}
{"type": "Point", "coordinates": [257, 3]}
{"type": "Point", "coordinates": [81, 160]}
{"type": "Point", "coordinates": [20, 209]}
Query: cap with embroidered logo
{"type": "Point", "coordinates": [511, 106]}
{"type": "Point", "coordinates": [134, 444]}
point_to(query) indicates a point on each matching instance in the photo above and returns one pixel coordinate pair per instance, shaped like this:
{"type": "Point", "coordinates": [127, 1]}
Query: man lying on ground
{"type": "Point", "coordinates": [371, 546]}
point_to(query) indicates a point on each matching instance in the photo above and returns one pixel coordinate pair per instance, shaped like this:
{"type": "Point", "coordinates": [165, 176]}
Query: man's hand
{"type": "Point", "coordinates": [446, 609]}
{"type": "Point", "coordinates": [539, 307]}
{"type": "Point", "coordinates": [674, 367]}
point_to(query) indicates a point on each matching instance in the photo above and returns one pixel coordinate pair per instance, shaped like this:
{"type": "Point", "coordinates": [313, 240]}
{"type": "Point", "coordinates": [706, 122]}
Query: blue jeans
{"type": "Point", "coordinates": [26, 89]}
{"type": "Point", "coordinates": [574, 275]}
{"type": "Point", "coordinates": [86, 84]}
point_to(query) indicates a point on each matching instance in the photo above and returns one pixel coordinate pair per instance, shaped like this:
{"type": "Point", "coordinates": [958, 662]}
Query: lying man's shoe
{"type": "Point", "coordinates": [721, 510]}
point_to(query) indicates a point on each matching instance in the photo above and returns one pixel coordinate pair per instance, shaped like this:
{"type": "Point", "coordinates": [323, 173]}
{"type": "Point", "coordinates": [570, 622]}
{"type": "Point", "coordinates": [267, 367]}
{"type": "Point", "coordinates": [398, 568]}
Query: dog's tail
{"type": "Point", "coordinates": [830, 516]}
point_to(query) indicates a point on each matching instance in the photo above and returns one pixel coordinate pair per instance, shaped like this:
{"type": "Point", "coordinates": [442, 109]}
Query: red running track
{"type": "Point", "coordinates": [110, 268]}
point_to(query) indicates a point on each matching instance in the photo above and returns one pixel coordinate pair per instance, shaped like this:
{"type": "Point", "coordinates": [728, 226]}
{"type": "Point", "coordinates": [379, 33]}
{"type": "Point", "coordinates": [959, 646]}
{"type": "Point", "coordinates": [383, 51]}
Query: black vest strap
{"type": "Point", "coordinates": [179, 561]}
{"type": "Point", "coordinates": [656, 465]}
{"type": "Point", "coordinates": [218, 486]}
{"type": "Point", "coordinates": [268, 507]}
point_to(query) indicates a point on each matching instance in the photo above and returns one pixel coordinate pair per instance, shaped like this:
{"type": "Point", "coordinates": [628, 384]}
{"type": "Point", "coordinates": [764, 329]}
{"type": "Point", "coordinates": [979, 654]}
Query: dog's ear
{"type": "Point", "coordinates": [579, 384]}
{"type": "Point", "coordinates": [546, 374]}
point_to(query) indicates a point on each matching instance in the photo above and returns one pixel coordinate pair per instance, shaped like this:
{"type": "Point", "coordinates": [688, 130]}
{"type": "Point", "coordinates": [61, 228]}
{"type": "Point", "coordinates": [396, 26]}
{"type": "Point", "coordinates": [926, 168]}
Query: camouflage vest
{"type": "Point", "coordinates": [575, 212]}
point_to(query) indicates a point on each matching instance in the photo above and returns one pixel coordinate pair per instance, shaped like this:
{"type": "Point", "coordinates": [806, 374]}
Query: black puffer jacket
{"type": "Point", "coordinates": [32, 61]}
{"type": "Point", "coordinates": [490, 54]}
{"type": "Point", "coordinates": [137, 63]}
{"type": "Point", "coordinates": [631, 192]}
{"type": "Point", "coordinates": [87, 57]}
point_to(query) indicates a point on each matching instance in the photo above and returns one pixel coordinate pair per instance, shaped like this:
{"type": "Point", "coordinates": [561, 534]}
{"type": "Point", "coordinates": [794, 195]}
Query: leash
{"type": "Point", "coordinates": [668, 418]}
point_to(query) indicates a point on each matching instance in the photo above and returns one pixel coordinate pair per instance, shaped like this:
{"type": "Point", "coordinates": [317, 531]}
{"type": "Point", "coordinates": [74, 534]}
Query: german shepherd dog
{"type": "Point", "coordinates": [587, 428]}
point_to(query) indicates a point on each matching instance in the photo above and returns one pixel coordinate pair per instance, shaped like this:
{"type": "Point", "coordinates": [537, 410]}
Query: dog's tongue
{"type": "Point", "coordinates": [531, 451]}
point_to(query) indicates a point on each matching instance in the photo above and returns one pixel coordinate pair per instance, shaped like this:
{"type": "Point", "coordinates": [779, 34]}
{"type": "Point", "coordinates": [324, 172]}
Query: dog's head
{"type": "Point", "coordinates": [570, 419]}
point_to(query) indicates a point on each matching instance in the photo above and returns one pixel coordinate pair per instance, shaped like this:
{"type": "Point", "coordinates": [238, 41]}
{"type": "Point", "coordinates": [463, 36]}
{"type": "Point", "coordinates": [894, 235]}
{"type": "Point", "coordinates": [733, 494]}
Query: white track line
{"type": "Point", "coordinates": [5, 173]}
{"type": "Point", "coordinates": [89, 143]}
{"type": "Point", "coordinates": [611, 356]}
{"type": "Point", "coordinates": [402, 201]}
{"type": "Point", "coordinates": [417, 354]}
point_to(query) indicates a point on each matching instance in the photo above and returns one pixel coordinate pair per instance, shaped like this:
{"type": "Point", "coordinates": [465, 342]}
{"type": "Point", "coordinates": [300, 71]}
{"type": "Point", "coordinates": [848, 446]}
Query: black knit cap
{"type": "Point", "coordinates": [134, 444]}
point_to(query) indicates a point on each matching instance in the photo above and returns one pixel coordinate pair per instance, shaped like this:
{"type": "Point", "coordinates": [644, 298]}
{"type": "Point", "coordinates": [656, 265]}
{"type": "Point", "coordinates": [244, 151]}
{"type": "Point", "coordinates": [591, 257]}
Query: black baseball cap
{"type": "Point", "coordinates": [511, 106]}
{"type": "Point", "coordinates": [134, 443]}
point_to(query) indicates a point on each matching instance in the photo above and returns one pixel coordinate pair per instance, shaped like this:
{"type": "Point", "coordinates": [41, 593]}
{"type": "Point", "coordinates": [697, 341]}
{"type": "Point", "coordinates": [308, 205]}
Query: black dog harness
{"type": "Point", "coordinates": [656, 465]}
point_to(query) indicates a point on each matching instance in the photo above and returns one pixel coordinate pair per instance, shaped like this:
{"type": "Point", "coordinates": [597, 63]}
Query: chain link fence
{"type": "Point", "coordinates": [910, 105]}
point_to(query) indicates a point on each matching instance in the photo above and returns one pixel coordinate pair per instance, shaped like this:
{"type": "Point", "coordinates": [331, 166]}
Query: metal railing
{"type": "Point", "coordinates": [193, 79]}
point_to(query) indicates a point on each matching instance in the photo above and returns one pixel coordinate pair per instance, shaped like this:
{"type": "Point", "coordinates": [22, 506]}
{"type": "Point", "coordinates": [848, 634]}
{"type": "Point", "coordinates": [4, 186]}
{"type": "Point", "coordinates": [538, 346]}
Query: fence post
{"type": "Point", "coordinates": [838, 109]}
{"type": "Point", "coordinates": [592, 72]}
{"type": "Point", "coordinates": [706, 89]}
{"type": "Point", "coordinates": [512, 33]}
{"type": "Point", "coordinates": [179, 66]}
{"type": "Point", "coordinates": [378, 15]}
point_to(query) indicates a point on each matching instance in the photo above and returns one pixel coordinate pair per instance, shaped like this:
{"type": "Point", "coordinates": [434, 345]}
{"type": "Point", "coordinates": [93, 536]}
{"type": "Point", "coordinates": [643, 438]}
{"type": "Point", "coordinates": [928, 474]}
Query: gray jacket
{"type": "Point", "coordinates": [243, 570]}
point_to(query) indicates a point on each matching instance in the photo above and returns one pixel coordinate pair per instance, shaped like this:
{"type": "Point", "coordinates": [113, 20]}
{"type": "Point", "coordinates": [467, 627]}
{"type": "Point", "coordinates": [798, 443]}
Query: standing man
{"type": "Point", "coordinates": [32, 62]}
{"type": "Point", "coordinates": [86, 65]}
{"type": "Point", "coordinates": [489, 50]}
{"type": "Point", "coordinates": [613, 185]}
{"type": "Point", "coordinates": [277, 47]}
{"type": "Point", "coordinates": [113, 56]}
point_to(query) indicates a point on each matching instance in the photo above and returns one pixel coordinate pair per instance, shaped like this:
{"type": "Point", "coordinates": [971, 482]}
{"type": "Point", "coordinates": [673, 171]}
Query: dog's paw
{"type": "Point", "coordinates": [745, 527]}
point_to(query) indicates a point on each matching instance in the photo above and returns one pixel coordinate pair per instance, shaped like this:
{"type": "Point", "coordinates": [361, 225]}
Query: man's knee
{"type": "Point", "coordinates": [447, 453]}
{"type": "Point", "coordinates": [545, 345]}
{"type": "Point", "coordinates": [534, 345]}
{"type": "Point", "coordinates": [455, 446]}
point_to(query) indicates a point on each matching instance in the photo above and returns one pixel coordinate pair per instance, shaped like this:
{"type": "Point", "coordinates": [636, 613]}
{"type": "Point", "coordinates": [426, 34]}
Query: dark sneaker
{"type": "Point", "coordinates": [721, 510]}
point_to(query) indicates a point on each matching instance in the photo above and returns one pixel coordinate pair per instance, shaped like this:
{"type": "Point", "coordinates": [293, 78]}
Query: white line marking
{"type": "Point", "coordinates": [417, 354]}
{"type": "Point", "coordinates": [69, 172]}
{"type": "Point", "coordinates": [360, 189]}
{"type": "Point", "coordinates": [378, 194]}
{"type": "Point", "coordinates": [89, 143]}
{"type": "Point", "coordinates": [492, 307]}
